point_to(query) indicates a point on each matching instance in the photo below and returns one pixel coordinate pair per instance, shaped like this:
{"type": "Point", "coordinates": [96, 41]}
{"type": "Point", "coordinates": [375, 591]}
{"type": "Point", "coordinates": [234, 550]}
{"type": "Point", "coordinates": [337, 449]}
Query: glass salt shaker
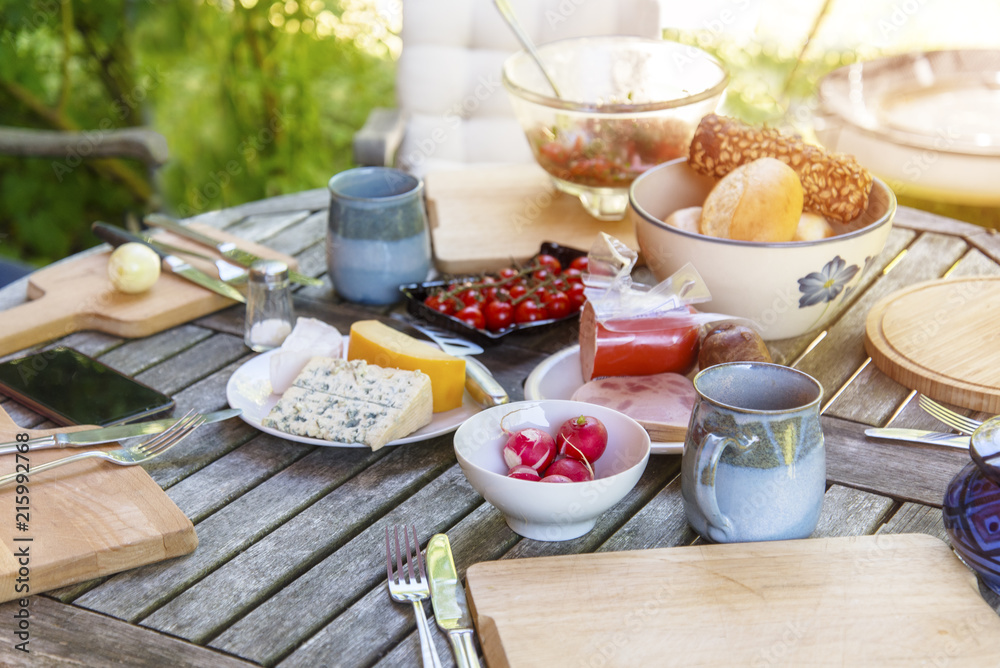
{"type": "Point", "coordinates": [269, 306]}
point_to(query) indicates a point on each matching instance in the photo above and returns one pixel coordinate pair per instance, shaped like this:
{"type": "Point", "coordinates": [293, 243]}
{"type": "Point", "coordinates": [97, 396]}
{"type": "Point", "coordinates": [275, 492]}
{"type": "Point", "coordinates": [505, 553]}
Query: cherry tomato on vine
{"type": "Point", "coordinates": [541, 274]}
{"type": "Point", "coordinates": [470, 296]}
{"type": "Point", "coordinates": [517, 291]}
{"type": "Point", "coordinates": [550, 261]}
{"type": "Point", "coordinates": [499, 315]}
{"type": "Point", "coordinates": [581, 263]}
{"type": "Point", "coordinates": [528, 311]}
{"type": "Point", "coordinates": [472, 316]}
{"type": "Point", "coordinates": [573, 275]}
{"type": "Point", "coordinates": [576, 296]}
{"type": "Point", "coordinates": [440, 304]}
{"type": "Point", "coordinates": [508, 272]}
{"type": "Point", "coordinates": [558, 305]}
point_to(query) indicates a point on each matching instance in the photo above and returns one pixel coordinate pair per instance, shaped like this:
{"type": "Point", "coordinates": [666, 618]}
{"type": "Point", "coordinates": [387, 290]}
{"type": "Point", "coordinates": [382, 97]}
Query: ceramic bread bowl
{"type": "Point", "coordinates": [786, 288]}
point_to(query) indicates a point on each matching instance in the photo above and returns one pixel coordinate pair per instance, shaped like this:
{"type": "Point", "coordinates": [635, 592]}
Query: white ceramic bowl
{"type": "Point", "coordinates": [550, 511]}
{"type": "Point", "coordinates": [788, 289]}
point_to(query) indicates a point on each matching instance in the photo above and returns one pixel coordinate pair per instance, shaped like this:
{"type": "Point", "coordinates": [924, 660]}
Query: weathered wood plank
{"type": "Point", "coordinates": [268, 633]}
{"type": "Point", "coordinates": [925, 221]}
{"type": "Point", "coordinates": [873, 396]}
{"type": "Point", "coordinates": [904, 471]}
{"type": "Point", "coordinates": [988, 243]}
{"type": "Point", "coordinates": [231, 530]}
{"type": "Point", "coordinates": [660, 523]}
{"type": "Point", "coordinates": [21, 414]}
{"type": "Point", "coordinates": [916, 518]}
{"type": "Point", "coordinates": [227, 478]}
{"type": "Point", "coordinates": [312, 200]}
{"type": "Point", "coordinates": [257, 227]}
{"type": "Point", "coordinates": [297, 238]}
{"type": "Point", "coordinates": [851, 512]}
{"type": "Point", "coordinates": [842, 352]}
{"type": "Point", "coordinates": [63, 636]}
{"type": "Point", "coordinates": [135, 356]}
{"type": "Point", "coordinates": [195, 363]}
{"type": "Point", "coordinates": [788, 350]}
{"type": "Point", "coordinates": [210, 606]}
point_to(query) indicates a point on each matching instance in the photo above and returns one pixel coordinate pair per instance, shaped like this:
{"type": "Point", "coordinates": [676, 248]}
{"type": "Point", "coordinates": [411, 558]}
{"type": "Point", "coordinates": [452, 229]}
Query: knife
{"type": "Point", "coordinates": [479, 381]}
{"type": "Point", "coordinates": [75, 439]}
{"type": "Point", "coordinates": [921, 436]}
{"type": "Point", "coordinates": [116, 236]}
{"type": "Point", "coordinates": [228, 249]}
{"type": "Point", "coordinates": [448, 600]}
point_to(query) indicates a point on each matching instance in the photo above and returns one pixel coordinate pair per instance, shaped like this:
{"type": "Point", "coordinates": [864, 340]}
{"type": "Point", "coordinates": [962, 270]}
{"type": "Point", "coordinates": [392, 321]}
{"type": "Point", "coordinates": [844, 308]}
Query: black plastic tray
{"type": "Point", "coordinates": [415, 293]}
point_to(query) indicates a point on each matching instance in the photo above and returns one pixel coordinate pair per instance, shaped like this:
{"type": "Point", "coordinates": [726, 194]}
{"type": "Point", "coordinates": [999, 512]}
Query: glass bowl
{"type": "Point", "coordinates": [627, 104]}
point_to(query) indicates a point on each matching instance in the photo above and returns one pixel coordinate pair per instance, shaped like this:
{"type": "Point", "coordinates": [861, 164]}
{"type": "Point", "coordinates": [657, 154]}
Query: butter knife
{"type": "Point", "coordinates": [448, 600]}
{"type": "Point", "coordinates": [75, 439]}
{"type": "Point", "coordinates": [228, 249]}
{"type": "Point", "coordinates": [117, 236]}
{"type": "Point", "coordinates": [921, 436]}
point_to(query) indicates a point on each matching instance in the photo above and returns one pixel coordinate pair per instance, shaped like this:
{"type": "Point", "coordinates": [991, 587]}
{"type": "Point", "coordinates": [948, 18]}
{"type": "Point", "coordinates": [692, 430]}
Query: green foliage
{"type": "Point", "coordinates": [254, 101]}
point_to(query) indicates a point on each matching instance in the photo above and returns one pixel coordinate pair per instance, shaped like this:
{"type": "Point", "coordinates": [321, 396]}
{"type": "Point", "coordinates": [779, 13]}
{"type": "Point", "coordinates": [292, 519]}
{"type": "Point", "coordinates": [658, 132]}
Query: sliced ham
{"type": "Point", "coordinates": [661, 402]}
{"type": "Point", "coordinates": [649, 346]}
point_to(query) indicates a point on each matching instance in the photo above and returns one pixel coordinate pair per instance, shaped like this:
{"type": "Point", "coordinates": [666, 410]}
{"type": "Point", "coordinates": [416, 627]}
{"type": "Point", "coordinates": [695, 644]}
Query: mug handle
{"type": "Point", "coordinates": [719, 526]}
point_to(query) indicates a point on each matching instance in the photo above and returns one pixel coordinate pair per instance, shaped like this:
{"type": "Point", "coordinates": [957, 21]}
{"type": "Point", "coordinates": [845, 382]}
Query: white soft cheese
{"type": "Point", "coordinates": [310, 338]}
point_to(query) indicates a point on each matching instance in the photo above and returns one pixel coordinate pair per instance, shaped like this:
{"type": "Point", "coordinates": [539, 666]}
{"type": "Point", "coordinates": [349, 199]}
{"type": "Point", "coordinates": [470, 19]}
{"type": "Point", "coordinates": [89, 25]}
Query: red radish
{"type": "Point", "coordinates": [583, 437]}
{"type": "Point", "coordinates": [529, 447]}
{"type": "Point", "coordinates": [555, 478]}
{"type": "Point", "coordinates": [575, 469]}
{"type": "Point", "coordinates": [522, 472]}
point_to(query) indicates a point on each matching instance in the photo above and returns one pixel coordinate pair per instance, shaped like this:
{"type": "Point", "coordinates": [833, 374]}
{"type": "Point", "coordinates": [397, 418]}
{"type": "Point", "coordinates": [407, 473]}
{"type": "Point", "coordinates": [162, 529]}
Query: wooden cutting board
{"type": "Point", "coordinates": [481, 218]}
{"type": "Point", "coordinates": [84, 520]}
{"type": "Point", "coordinates": [76, 295]}
{"type": "Point", "coordinates": [941, 338]}
{"type": "Point", "coordinates": [887, 600]}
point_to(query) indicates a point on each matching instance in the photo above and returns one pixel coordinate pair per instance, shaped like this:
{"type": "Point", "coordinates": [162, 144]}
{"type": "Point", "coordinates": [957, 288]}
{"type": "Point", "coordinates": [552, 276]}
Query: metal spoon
{"type": "Point", "coordinates": [508, 14]}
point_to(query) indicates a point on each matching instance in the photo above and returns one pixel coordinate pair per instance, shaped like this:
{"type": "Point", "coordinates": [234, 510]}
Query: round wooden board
{"type": "Point", "coordinates": [941, 338]}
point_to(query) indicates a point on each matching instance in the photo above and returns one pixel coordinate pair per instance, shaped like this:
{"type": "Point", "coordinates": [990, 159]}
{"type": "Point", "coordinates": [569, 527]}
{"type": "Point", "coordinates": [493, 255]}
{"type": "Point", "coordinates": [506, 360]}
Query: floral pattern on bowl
{"type": "Point", "coordinates": [824, 285]}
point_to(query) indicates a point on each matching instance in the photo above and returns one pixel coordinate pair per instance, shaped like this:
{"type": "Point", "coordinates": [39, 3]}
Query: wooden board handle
{"type": "Point", "coordinates": [33, 321]}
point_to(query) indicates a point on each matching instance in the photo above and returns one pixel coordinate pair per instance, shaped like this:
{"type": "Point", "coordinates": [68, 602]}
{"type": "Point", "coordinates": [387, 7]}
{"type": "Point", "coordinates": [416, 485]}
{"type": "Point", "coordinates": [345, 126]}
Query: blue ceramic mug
{"type": "Point", "coordinates": [377, 237]}
{"type": "Point", "coordinates": [754, 462]}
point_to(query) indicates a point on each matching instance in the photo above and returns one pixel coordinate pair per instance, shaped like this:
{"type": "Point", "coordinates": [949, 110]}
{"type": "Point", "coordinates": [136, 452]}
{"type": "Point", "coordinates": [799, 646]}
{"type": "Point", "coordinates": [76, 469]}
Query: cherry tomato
{"type": "Point", "coordinates": [470, 297]}
{"type": "Point", "coordinates": [517, 291]}
{"type": "Point", "coordinates": [559, 285]}
{"type": "Point", "coordinates": [573, 275]}
{"type": "Point", "coordinates": [508, 272]}
{"type": "Point", "coordinates": [541, 274]}
{"type": "Point", "coordinates": [581, 263]}
{"type": "Point", "coordinates": [541, 295]}
{"type": "Point", "coordinates": [528, 311]}
{"type": "Point", "coordinates": [576, 296]}
{"type": "Point", "coordinates": [499, 315]}
{"type": "Point", "coordinates": [558, 305]}
{"type": "Point", "coordinates": [472, 316]}
{"type": "Point", "coordinates": [550, 261]}
{"type": "Point", "coordinates": [440, 304]}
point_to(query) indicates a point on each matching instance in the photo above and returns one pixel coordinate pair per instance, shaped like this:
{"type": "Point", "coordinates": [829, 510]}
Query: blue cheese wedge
{"type": "Point", "coordinates": [353, 402]}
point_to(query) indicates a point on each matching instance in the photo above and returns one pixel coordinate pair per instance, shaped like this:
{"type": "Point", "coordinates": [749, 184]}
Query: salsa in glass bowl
{"type": "Point", "coordinates": [626, 104]}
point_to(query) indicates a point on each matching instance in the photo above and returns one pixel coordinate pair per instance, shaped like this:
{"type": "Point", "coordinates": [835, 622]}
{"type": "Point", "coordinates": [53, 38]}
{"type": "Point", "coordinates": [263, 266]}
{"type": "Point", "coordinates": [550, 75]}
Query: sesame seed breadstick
{"type": "Point", "coordinates": [834, 184]}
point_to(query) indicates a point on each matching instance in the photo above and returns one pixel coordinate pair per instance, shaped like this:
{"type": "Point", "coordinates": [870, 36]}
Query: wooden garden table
{"type": "Point", "coordinates": [290, 569]}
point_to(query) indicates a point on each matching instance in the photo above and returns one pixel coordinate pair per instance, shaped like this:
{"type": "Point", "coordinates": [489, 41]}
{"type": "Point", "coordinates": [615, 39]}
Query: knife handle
{"type": "Point", "coordinates": [482, 386]}
{"type": "Point", "coordinates": [32, 444]}
{"type": "Point", "coordinates": [464, 648]}
{"type": "Point", "coordinates": [116, 236]}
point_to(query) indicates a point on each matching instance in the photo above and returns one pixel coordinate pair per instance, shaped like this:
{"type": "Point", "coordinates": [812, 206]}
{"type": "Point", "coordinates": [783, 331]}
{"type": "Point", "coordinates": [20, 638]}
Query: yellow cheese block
{"type": "Point", "coordinates": [380, 344]}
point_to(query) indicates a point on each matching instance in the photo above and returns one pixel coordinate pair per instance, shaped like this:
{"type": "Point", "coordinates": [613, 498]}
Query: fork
{"type": "Point", "coordinates": [129, 455]}
{"type": "Point", "coordinates": [957, 421]}
{"type": "Point", "coordinates": [414, 590]}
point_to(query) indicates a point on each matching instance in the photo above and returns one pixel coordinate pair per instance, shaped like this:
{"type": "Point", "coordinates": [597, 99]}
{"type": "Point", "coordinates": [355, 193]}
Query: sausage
{"type": "Point", "coordinates": [731, 342]}
{"type": "Point", "coordinates": [650, 346]}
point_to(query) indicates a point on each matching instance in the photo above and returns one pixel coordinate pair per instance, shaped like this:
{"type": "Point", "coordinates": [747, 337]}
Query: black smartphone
{"type": "Point", "coordinates": [70, 388]}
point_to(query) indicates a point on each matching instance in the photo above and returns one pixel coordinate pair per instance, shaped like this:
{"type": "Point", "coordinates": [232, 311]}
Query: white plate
{"type": "Point", "coordinates": [558, 376]}
{"type": "Point", "coordinates": [249, 388]}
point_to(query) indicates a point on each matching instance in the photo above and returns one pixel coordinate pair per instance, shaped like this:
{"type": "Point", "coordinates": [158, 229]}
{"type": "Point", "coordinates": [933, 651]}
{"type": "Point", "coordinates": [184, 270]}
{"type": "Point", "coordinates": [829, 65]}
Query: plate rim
{"type": "Point", "coordinates": [538, 372]}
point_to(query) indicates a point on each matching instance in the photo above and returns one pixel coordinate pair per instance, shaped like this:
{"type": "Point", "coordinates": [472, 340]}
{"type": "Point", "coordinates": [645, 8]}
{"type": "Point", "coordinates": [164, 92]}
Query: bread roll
{"type": "Point", "coordinates": [687, 219]}
{"type": "Point", "coordinates": [758, 201]}
{"type": "Point", "coordinates": [813, 227]}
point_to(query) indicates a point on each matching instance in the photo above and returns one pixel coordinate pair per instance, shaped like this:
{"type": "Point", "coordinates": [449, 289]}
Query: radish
{"type": "Point", "coordinates": [529, 447]}
{"type": "Point", "coordinates": [522, 472]}
{"type": "Point", "coordinates": [583, 437]}
{"type": "Point", "coordinates": [555, 478]}
{"type": "Point", "coordinates": [577, 470]}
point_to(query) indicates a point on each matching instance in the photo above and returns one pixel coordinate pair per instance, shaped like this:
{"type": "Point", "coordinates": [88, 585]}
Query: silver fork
{"type": "Point", "coordinates": [414, 590]}
{"type": "Point", "coordinates": [129, 455]}
{"type": "Point", "coordinates": [957, 421]}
